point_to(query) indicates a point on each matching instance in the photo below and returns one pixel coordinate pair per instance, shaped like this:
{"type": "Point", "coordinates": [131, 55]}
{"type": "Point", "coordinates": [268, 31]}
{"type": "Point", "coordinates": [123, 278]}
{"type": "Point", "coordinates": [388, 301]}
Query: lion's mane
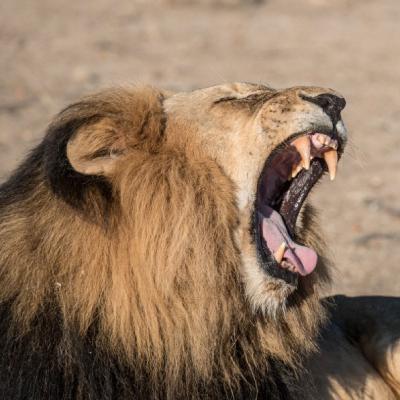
{"type": "Point", "coordinates": [132, 287]}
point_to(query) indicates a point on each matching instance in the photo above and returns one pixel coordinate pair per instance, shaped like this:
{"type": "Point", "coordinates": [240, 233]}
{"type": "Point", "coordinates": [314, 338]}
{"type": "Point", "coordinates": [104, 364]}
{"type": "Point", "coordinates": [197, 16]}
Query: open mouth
{"type": "Point", "coordinates": [289, 174]}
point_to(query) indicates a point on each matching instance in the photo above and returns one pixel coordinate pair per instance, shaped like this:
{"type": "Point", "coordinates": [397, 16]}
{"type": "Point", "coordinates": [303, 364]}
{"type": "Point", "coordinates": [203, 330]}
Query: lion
{"type": "Point", "coordinates": [159, 245]}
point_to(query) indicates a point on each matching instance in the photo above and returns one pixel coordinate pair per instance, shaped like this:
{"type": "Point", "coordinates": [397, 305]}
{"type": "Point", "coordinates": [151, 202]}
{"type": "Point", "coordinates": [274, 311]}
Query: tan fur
{"type": "Point", "coordinates": [383, 351]}
{"type": "Point", "coordinates": [166, 275]}
{"type": "Point", "coordinates": [340, 372]}
{"type": "Point", "coordinates": [373, 323]}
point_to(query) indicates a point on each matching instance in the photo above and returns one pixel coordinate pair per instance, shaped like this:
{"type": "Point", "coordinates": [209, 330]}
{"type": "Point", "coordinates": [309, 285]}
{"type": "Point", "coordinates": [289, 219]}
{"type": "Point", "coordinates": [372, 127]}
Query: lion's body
{"type": "Point", "coordinates": [359, 355]}
{"type": "Point", "coordinates": [124, 279]}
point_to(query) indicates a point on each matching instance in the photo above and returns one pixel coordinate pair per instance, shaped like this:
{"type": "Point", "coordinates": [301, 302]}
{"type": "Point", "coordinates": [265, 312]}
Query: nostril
{"type": "Point", "coordinates": [325, 102]}
{"type": "Point", "coordinates": [330, 103]}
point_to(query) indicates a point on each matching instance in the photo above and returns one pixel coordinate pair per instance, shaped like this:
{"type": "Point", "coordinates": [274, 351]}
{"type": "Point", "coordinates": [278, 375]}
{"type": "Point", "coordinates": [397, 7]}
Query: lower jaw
{"type": "Point", "coordinates": [265, 258]}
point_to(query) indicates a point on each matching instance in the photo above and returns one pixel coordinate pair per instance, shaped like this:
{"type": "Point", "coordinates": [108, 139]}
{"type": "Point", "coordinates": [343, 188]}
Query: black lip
{"type": "Point", "coordinates": [290, 206]}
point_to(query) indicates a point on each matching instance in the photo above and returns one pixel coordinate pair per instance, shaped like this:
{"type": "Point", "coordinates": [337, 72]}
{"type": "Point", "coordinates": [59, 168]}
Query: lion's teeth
{"type": "Point", "coordinates": [303, 146]}
{"type": "Point", "coordinates": [331, 159]}
{"type": "Point", "coordinates": [296, 170]}
{"type": "Point", "coordinates": [321, 138]}
{"type": "Point", "coordinates": [280, 252]}
{"type": "Point", "coordinates": [333, 144]}
{"type": "Point", "coordinates": [288, 266]}
{"type": "Point", "coordinates": [326, 141]}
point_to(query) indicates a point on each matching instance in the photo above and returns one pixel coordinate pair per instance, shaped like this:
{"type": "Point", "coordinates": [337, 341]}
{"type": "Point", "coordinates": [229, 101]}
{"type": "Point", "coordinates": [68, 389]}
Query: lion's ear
{"type": "Point", "coordinates": [87, 140]}
{"type": "Point", "coordinates": [106, 125]}
{"type": "Point", "coordinates": [95, 148]}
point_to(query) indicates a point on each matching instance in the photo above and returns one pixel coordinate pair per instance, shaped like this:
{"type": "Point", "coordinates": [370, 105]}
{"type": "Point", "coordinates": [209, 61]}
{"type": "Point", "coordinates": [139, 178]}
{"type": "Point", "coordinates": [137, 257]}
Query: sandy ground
{"type": "Point", "coordinates": [53, 51]}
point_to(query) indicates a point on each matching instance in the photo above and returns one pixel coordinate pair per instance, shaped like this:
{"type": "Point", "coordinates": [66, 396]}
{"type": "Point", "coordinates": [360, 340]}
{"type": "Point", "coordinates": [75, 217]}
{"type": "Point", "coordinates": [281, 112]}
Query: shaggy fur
{"type": "Point", "coordinates": [121, 273]}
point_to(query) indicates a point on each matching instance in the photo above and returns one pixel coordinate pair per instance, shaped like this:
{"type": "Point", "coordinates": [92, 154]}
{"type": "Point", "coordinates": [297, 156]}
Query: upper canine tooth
{"type": "Point", "coordinates": [280, 252]}
{"type": "Point", "coordinates": [303, 146]}
{"type": "Point", "coordinates": [331, 159]}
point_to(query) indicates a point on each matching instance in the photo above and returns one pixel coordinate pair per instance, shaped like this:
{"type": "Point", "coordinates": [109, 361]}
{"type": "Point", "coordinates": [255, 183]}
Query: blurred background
{"type": "Point", "coordinates": [53, 51]}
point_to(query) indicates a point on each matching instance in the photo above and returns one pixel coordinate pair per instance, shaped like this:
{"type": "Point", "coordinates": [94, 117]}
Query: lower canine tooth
{"type": "Point", "coordinates": [331, 158]}
{"type": "Point", "coordinates": [296, 170]}
{"type": "Point", "coordinates": [280, 252]}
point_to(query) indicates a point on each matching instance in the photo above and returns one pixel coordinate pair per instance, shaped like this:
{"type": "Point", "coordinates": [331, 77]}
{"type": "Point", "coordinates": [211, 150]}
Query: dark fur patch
{"type": "Point", "coordinates": [24, 180]}
{"type": "Point", "coordinates": [72, 186]}
{"type": "Point", "coordinates": [51, 363]}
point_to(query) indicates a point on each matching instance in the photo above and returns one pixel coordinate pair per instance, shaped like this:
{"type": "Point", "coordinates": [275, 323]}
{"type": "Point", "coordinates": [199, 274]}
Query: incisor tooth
{"type": "Point", "coordinates": [321, 138]}
{"type": "Point", "coordinates": [331, 158]}
{"type": "Point", "coordinates": [303, 146]}
{"type": "Point", "coordinates": [334, 144]}
{"type": "Point", "coordinates": [280, 252]}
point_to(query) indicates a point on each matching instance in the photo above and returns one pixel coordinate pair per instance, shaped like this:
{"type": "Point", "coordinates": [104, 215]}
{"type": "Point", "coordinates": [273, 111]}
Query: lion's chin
{"type": "Point", "coordinates": [265, 294]}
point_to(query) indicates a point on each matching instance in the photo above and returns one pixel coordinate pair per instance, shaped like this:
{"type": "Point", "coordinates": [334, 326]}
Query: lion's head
{"type": "Point", "coordinates": [170, 221]}
{"type": "Point", "coordinates": [273, 145]}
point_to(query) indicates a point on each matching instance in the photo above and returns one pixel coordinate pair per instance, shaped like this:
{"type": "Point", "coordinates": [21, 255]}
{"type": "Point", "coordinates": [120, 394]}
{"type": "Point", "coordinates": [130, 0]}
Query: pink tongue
{"type": "Point", "coordinates": [274, 232]}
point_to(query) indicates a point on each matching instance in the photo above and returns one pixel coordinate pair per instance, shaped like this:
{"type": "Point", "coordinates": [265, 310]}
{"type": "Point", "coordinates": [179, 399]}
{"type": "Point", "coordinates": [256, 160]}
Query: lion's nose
{"type": "Point", "coordinates": [330, 103]}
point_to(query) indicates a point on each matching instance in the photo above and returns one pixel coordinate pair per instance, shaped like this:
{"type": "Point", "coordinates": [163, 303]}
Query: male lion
{"type": "Point", "coordinates": [156, 245]}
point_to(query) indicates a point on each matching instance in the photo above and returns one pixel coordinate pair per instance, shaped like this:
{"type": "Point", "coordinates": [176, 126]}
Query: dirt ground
{"type": "Point", "coordinates": [53, 51]}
